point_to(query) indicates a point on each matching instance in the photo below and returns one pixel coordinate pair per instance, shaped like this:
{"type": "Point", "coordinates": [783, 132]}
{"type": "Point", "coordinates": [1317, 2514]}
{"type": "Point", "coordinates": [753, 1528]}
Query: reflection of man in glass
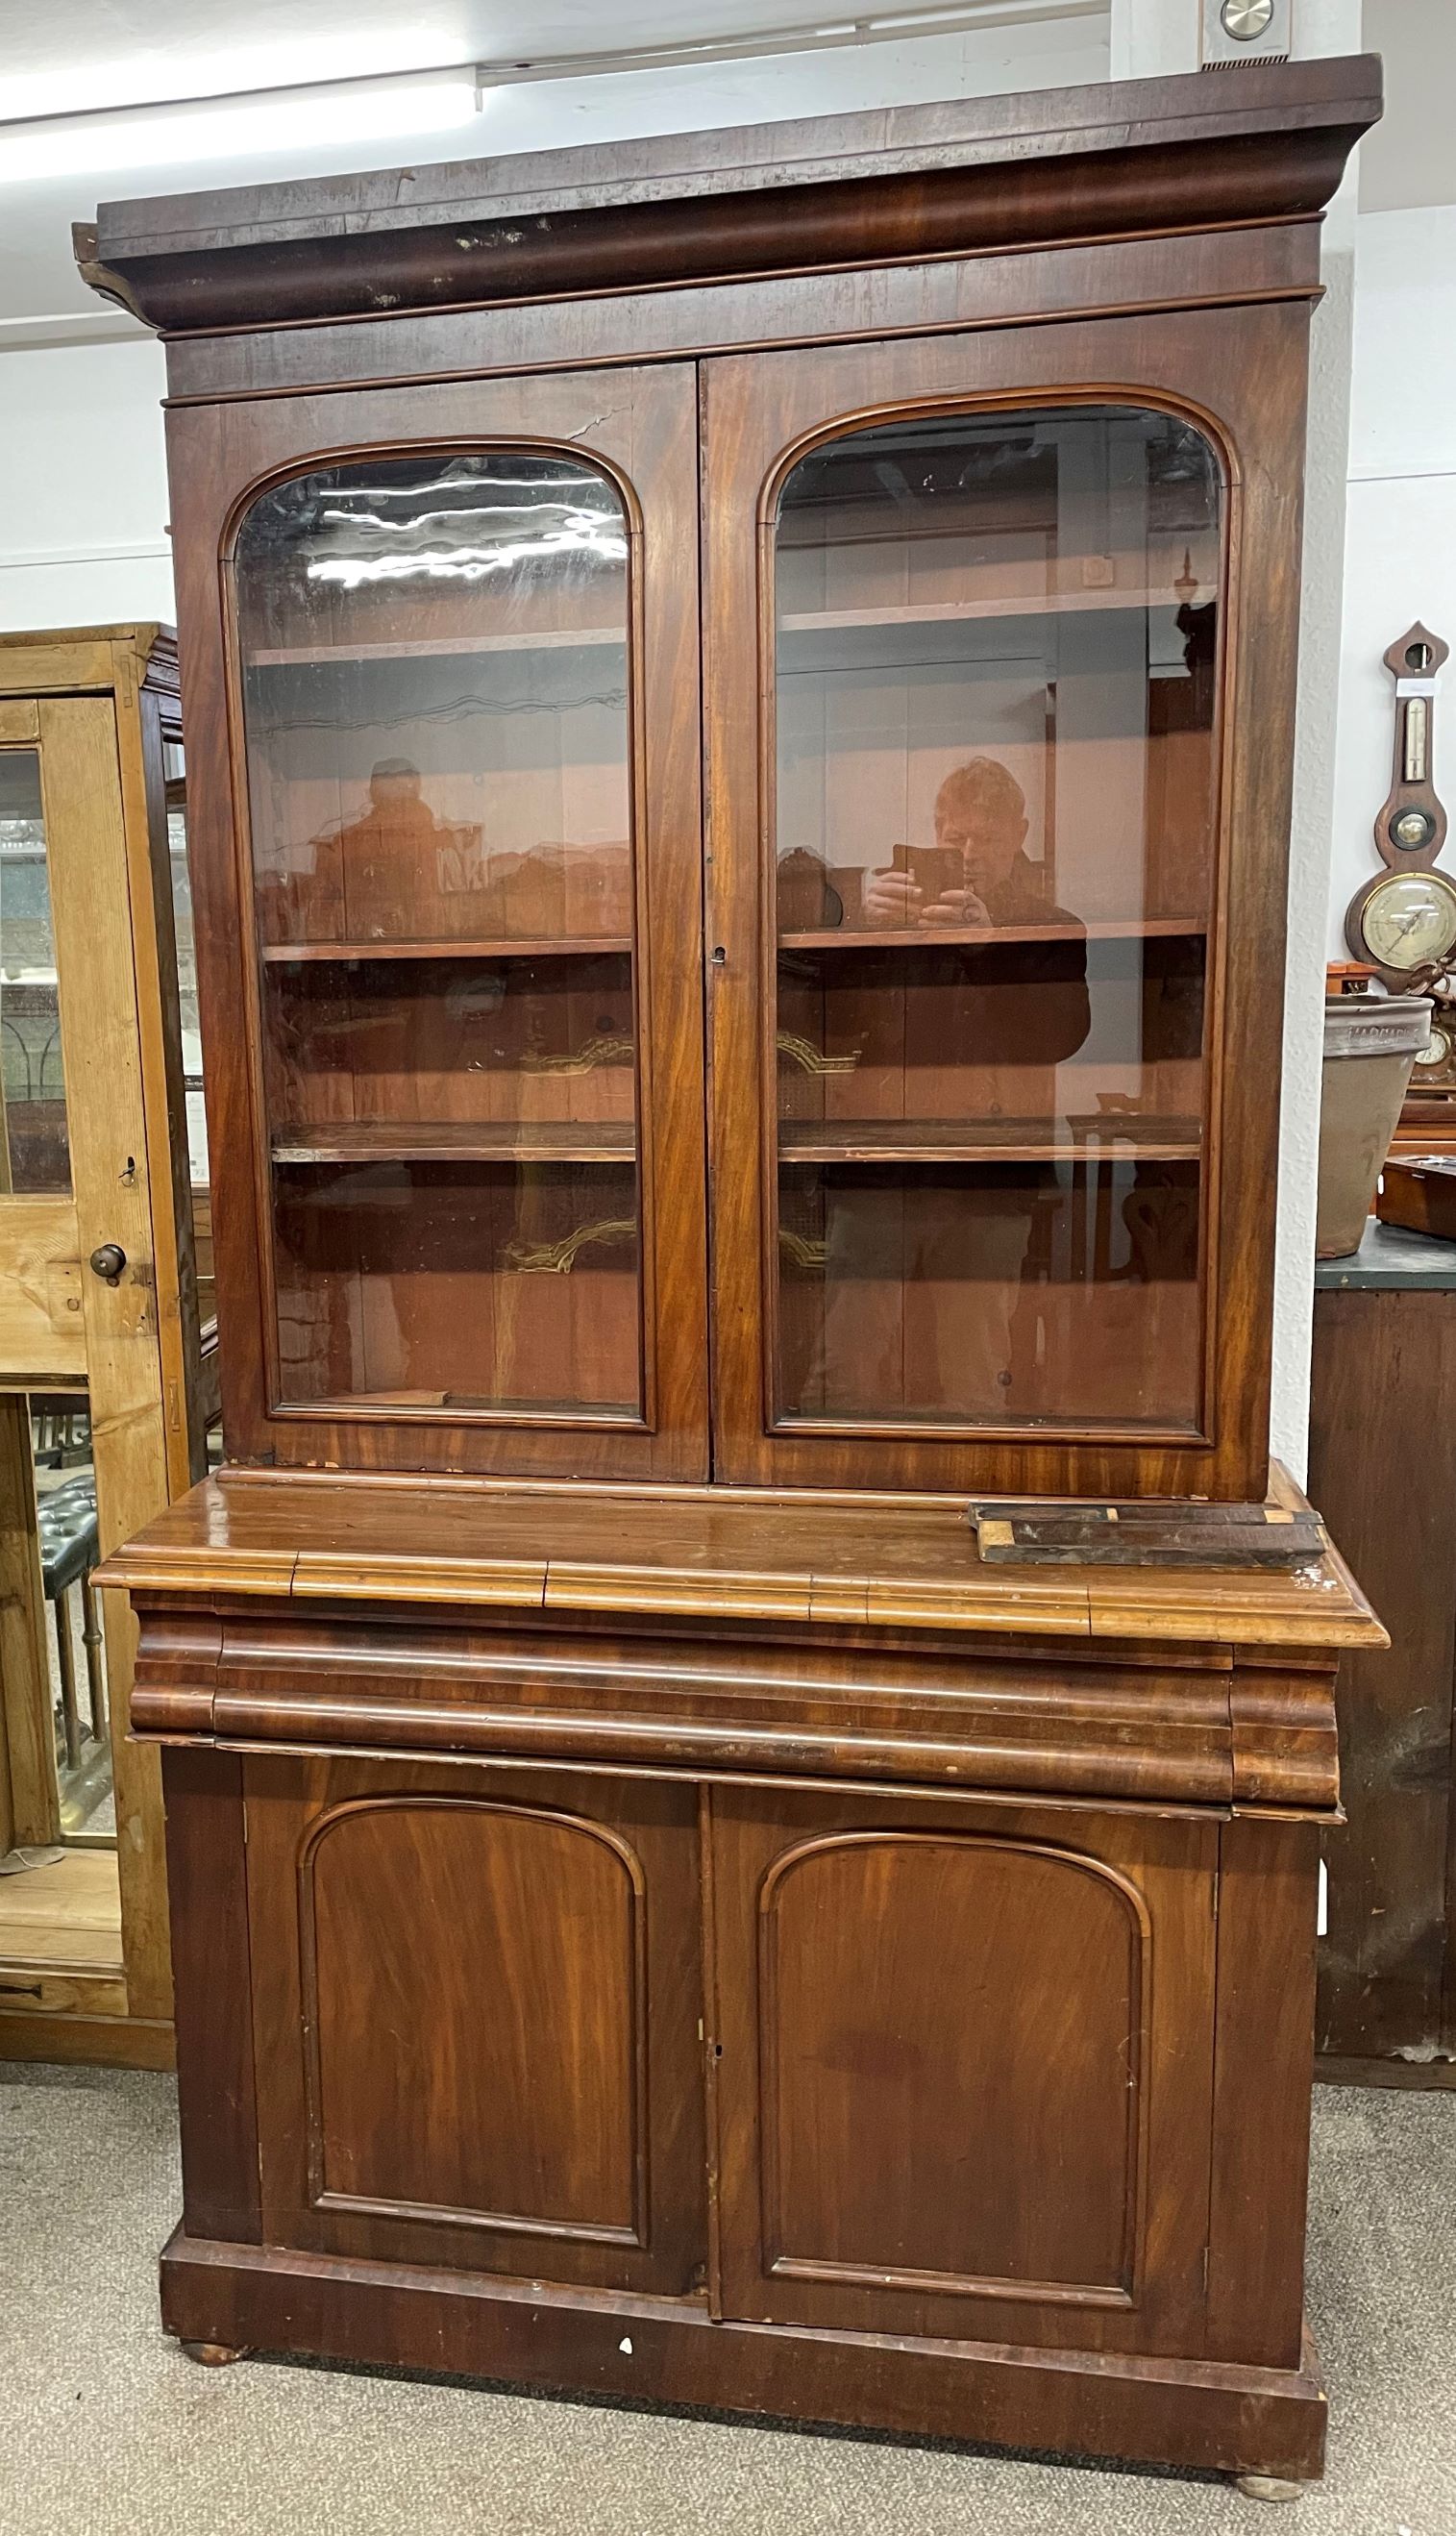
{"type": "Point", "coordinates": [982, 874]}
{"type": "Point", "coordinates": [399, 860]}
{"type": "Point", "coordinates": [925, 1264]}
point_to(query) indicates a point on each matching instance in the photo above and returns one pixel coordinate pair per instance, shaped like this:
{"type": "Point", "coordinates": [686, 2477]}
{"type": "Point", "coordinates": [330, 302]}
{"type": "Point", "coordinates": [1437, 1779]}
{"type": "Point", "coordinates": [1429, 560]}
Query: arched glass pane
{"type": "Point", "coordinates": [434, 657]}
{"type": "Point", "coordinates": [996, 820]}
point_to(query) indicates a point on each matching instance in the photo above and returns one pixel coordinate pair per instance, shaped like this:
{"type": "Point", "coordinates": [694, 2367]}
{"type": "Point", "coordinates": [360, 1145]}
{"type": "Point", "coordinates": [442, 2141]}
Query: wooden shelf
{"type": "Point", "coordinates": [554, 946]}
{"type": "Point", "coordinates": [885, 937]}
{"type": "Point", "coordinates": [457, 1140]}
{"type": "Point", "coordinates": [969, 611]}
{"type": "Point", "coordinates": [1122, 1137]}
{"type": "Point", "coordinates": [324, 656]}
{"type": "Point", "coordinates": [431, 1404]}
{"type": "Point", "coordinates": [66, 1916]}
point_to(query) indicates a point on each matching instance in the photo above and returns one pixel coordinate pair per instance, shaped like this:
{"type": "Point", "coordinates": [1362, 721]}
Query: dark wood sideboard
{"type": "Point", "coordinates": [739, 696]}
{"type": "Point", "coordinates": [1382, 1464]}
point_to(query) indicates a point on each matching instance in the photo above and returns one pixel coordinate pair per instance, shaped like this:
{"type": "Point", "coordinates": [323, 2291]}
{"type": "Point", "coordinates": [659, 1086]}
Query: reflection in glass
{"type": "Point", "coordinates": [36, 1153]}
{"type": "Point", "coordinates": [184, 938]}
{"type": "Point", "coordinates": [435, 682]}
{"type": "Point", "coordinates": [184, 932]}
{"type": "Point", "coordinates": [996, 643]}
{"type": "Point", "coordinates": [78, 1726]}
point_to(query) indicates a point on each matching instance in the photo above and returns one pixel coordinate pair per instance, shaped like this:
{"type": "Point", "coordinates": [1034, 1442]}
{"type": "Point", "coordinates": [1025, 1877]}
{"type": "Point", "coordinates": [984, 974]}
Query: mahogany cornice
{"type": "Point", "coordinates": [1139, 156]}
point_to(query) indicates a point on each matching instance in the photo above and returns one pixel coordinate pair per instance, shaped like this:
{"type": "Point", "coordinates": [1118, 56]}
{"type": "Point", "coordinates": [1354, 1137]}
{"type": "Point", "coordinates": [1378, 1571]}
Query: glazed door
{"type": "Point", "coordinates": [97, 1337]}
{"type": "Point", "coordinates": [964, 2069]}
{"type": "Point", "coordinates": [453, 877]}
{"type": "Point", "coordinates": [995, 958]}
{"type": "Point", "coordinates": [478, 2043]}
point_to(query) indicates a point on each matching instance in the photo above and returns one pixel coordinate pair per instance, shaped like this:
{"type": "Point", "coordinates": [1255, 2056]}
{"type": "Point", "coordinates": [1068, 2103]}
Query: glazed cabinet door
{"type": "Point", "coordinates": [444, 744]}
{"type": "Point", "coordinates": [998, 676]}
{"type": "Point", "coordinates": [964, 2067]}
{"type": "Point", "coordinates": [476, 2019]}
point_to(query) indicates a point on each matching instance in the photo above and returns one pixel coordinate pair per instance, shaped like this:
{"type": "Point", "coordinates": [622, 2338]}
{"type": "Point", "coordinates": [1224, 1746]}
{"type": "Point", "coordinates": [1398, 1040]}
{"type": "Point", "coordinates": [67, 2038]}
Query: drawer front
{"type": "Point", "coordinates": [964, 2063]}
{"type": "Point", "coordinates": [477, 1998]}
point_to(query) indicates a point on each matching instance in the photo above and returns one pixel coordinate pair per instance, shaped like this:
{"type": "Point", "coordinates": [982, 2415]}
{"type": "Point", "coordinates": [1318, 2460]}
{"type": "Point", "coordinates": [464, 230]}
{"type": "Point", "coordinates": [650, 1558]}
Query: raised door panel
{"type": "Point", "coordinates": [965, 2069]}
{"type": "Point", "coordinates": [542, 2128]}
{"type": "Point", "coordinates": [477, 2008]}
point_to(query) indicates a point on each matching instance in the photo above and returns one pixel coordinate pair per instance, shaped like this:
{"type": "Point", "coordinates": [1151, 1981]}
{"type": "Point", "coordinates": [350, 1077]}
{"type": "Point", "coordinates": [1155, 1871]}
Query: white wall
{"type": "Point", "coordinates": [1321, 27]}
{"type": "Point", "coordinates": [1400, 542]}
{"type": "Point", "coordinates": [83, 487]}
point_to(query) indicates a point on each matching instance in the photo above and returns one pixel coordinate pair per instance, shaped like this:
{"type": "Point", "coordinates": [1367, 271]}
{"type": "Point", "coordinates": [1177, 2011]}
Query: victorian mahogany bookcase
{"type": "Point", "coordinates": [739, 695]}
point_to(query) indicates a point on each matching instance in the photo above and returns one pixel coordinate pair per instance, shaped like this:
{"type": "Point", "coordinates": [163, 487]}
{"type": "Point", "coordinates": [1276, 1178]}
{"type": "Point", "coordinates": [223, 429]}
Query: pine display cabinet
{"type": "Point", "coordinates": [739, 696]}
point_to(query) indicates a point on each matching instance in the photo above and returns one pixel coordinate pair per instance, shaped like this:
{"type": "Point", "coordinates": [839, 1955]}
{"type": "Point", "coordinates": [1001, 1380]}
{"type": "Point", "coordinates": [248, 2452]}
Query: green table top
{"type": "Point", "coordinates": [1389, 1255]}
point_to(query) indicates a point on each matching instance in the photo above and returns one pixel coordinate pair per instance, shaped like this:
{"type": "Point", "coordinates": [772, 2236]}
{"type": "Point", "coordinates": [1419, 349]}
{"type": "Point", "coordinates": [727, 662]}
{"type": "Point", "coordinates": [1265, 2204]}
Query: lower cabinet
{"type": "Point", "coordinates": [944, 2068]}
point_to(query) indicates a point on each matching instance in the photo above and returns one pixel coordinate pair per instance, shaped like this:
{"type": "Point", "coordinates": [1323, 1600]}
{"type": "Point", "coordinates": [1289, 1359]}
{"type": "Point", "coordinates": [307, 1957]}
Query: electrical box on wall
{"type": "Point", "coordinates": [1245, 30]}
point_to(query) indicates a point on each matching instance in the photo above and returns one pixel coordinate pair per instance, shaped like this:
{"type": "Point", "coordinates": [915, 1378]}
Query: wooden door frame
{"type": "Point", "coordinates": [98, 702]}
{"type": "Point", "coordinates": [1239, 375]}
{"type": "Point", "coordinates": [640, 425]}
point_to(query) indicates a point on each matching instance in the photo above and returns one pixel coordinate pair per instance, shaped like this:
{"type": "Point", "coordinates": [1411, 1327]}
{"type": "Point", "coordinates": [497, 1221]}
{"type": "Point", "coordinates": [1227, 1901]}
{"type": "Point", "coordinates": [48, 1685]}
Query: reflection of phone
{"type": "Point", "coordinates": [933, 868]}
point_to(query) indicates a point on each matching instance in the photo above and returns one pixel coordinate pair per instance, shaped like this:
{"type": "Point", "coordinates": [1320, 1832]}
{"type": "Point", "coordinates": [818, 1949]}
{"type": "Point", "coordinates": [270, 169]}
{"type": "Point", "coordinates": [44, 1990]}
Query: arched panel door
{"type": "Point", "coordinates": [963, 2069]}
{"type": "Point", "coordinates": [478, 2046]}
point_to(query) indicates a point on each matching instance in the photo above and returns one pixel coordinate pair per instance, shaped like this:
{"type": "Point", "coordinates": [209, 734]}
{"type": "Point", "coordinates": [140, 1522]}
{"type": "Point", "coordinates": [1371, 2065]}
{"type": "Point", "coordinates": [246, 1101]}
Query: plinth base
{"type": "Point", "coordinates": [1194, 2413]}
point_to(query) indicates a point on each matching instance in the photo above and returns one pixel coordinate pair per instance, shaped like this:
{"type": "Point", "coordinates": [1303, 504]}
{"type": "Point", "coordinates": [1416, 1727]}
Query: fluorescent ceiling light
{"type": "Point", "coordinates": [813, 36]}
{"type": "Point", "coordinates": [287, 119]}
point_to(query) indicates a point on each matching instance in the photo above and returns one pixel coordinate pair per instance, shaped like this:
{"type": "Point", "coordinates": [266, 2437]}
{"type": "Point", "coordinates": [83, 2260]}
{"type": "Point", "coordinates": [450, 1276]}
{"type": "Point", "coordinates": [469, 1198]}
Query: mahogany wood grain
{"type": "Point", "coordinates": [768, 1704]}
{"type": "Point", "coordinates": [212, 1958]}
{"type": "Point", "coordinates": [532, 1948]}
{"type": "Point", "coordinates": [767, 1701]}
{"type": "Point", "coordinates": [1263, 2047]}
{"type": "Point", "coordinates": [1386, 1468]}
{"type": "Point", "coordinates": [1030, 286]}
{"type": "Point", "coordinates": [885, 187]}
{"type": "Point", "coordinates": [958, 2092]}
{"type": "Point", "coordinates": [1217, 2416]}
{"type": "Point", "coordinates": [714, 1553]}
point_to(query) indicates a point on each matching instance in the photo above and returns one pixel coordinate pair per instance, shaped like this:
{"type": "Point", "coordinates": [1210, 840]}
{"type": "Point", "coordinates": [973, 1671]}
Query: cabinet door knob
{"type": "Point", "coordinates": [108, 1261]}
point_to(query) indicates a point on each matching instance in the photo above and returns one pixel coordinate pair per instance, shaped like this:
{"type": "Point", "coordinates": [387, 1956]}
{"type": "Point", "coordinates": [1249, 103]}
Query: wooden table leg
{"type": "Point", "coordinates": [66, 1661]}
{"type": "Point", "coordinates": [91, 1639]}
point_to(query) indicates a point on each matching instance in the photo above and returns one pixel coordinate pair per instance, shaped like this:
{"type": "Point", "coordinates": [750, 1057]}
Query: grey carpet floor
{"type": "Point", "coordinates": [105, 2430]}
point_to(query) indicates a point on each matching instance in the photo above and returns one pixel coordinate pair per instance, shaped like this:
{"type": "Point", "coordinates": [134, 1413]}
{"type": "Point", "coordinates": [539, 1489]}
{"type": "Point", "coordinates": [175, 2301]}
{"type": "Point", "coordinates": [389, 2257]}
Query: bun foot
{"type": "Point", "coordinates": [214, 2355]}
{"type": "Point", "coordinates": [1266, 2487]}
